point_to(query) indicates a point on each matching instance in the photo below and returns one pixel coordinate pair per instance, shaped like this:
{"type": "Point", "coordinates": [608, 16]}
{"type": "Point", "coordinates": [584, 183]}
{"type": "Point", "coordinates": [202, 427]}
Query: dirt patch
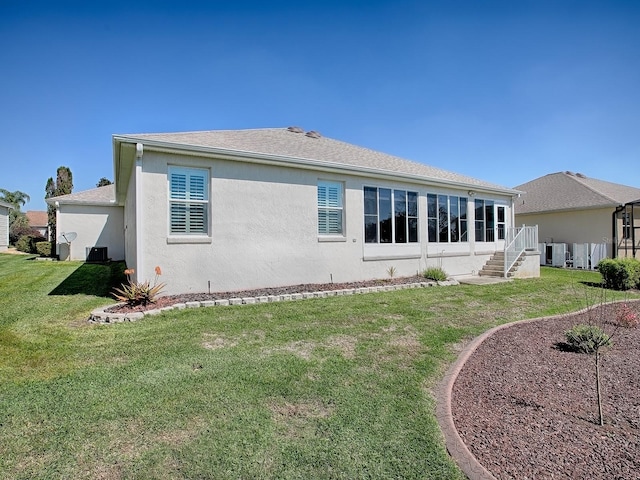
{"type": "Point", "coordinates": [298, 419]}
{"type": "Point", "coordinates": [527, 408]}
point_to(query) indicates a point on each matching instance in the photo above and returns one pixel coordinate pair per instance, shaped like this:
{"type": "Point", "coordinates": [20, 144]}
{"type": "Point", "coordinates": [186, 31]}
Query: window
{"type": "Point", "coordinates": [501, 223]}
{"type": "Point", "coordinates": [626, 225]}
{"type": "Point", "coordinates": [390, 216]}
{"type": "Point", "coordinates": [330, 208]}
{"type": "Point", "coordinates": [485, 221]}
{"type": "Point", "coordinates": [446, 218]}
{"type": "Point", "coordinates": [188, 201]}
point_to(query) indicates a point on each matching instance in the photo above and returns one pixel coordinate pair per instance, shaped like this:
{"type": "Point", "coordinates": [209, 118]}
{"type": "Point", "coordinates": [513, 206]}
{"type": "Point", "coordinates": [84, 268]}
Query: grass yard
{"type": "Point", "coordinates": [326, 388]}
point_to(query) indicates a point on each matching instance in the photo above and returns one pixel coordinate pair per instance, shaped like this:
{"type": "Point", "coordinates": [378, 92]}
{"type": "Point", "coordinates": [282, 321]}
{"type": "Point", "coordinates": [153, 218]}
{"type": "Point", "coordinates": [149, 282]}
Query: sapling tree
{"type": "Point", "coordinates": [590, 339]}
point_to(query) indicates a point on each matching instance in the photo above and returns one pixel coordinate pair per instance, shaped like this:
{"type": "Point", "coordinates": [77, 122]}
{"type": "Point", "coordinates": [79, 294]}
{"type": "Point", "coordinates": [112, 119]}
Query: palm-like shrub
{"type": "Point", "coordinates": [138, 293]}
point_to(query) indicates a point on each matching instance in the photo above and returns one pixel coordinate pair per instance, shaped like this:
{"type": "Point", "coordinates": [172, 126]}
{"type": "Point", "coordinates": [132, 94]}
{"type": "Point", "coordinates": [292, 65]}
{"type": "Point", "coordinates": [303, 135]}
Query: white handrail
{"type": "Point", "coordinates": [517, 240]}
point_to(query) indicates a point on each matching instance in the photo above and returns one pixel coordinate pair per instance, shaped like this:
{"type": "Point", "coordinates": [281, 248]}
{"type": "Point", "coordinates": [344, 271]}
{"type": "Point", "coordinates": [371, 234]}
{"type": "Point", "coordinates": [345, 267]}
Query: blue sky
{"type": "Point", "coordinates": [505, 91]}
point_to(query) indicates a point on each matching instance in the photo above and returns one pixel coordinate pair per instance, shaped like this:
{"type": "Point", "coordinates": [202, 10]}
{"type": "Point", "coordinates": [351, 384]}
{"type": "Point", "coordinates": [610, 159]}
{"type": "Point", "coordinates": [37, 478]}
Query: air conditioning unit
{"type": "Point", "coordinates": [97, 254]}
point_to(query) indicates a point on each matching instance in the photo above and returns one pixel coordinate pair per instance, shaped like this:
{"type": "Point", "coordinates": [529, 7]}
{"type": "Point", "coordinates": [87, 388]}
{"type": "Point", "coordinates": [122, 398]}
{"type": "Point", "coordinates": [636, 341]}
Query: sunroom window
{"type": "Point", "coordinates": [188, 201]}
{"type": "Point", "coordinates": [390, 215]}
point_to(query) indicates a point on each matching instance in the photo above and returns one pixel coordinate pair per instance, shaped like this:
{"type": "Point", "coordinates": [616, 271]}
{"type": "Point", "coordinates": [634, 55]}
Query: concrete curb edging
{"type": "Point", "coordinates": [453, 442]}
{"type": "Point", "coordinates": [100, 315]}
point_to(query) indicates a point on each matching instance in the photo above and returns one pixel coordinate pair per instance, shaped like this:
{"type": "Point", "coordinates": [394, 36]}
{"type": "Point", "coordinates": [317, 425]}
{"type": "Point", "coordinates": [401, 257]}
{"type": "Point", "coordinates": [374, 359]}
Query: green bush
{"type": "Point", "coordinates": [27, 243]}
{"type": "Point", "coordinates": [435, 273]}
{"type": "Point", "coordinates": [43, 249]}
{"type": "Point", "coordinates": [620, 273]}
{"type": "Point", "coordinates": [587, 338]}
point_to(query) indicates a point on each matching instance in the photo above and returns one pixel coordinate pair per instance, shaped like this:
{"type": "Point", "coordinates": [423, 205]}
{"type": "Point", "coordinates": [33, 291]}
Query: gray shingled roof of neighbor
{"type": "Point", "coordinates": [96, 196]}
{"type": "Point", "coordinates": [571, 191]}
{"type": "Point", "coordinates": [6, 205]}
{"type": "Point", "coordinates": [293, 145]}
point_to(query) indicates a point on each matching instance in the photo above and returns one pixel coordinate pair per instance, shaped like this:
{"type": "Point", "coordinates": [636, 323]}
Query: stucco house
{"type": "Point", "coordinates": [571, 208]}
{"type": "Point", "coordinates": [240, 209]}
{"type": "Point", "coordinates": [4, 225]}
{"type": "Point", "coordinates": [89, 225]}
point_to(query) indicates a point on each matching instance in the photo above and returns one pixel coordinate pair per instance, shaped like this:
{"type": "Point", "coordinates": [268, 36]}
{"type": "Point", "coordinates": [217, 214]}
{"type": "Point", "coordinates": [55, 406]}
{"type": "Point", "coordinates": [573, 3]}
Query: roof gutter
{"type": "Point", "coordinates": [281, 160]}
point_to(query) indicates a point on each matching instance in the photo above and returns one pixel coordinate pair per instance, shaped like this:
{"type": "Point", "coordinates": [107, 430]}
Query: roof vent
{"type": "Point", "coordinates": [295, 129]}
{"type": "Point", "coordinates": [313, 134]}
{"type": "Point", "coordinates": [569, 173]}
{"type": "Point", "coordinates": [581, 175]}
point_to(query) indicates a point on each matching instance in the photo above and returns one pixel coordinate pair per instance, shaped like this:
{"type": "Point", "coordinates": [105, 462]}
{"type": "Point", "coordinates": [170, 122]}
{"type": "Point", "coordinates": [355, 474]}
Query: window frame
{"type": "Point", "coordinates": [393, 218]}
{"type": "Point", "coordinates": [201, 198]}
{"type": "Point", "coordinates": [444, 222]}
{"type": "Point", "coordinates": [328, 184]}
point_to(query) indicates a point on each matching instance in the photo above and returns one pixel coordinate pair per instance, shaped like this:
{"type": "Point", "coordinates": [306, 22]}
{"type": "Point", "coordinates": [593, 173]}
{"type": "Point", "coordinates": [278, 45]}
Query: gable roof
{"type": "Point", "coordinates": [37, 218]}
{"type": "Point", "coordinates": [571, 191]}
{"type": "Point", "coordinates": [96, 196]}
{"type": "Point", "coordinates": [289, 146]}
{"type": "Point", "coordinates": [6, 205]}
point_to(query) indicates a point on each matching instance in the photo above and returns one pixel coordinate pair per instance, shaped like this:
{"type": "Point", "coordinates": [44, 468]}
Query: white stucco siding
{"type": "Point", "coordinates": [96, 226]}
{"type": "Point", "coordinates": [263, 230]}
{"type": "Point", "coordinates": [578, 226]}
{"type": "Point", "coordinates": [4, 228]}
{"type": "Point", "coordinates": [130, 232]}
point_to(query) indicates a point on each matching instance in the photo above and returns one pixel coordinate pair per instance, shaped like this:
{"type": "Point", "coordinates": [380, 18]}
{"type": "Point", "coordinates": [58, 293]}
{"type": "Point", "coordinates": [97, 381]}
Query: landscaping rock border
{"type": "Point", "coordinates": [103, 316]}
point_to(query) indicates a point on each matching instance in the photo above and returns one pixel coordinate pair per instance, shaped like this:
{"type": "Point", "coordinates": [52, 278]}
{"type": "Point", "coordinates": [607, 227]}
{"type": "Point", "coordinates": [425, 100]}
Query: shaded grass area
{"type": "Point", "coordinates": [325, 388]}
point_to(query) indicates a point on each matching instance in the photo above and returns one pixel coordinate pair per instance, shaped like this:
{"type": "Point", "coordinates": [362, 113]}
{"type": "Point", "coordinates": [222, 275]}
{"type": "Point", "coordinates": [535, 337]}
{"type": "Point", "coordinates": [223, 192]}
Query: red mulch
{"type": "Point", "coordinates": [526, 407]}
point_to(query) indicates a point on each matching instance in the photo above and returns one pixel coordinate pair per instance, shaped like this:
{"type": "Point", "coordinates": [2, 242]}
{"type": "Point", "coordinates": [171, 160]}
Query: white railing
{"type": "Point", "coordinates": [517, 240]}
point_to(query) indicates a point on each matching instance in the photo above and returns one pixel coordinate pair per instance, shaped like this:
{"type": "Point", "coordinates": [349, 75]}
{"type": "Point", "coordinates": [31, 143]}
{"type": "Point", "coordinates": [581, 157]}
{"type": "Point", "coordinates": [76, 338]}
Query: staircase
{"type": "Point", "coordinates": [495, 266]}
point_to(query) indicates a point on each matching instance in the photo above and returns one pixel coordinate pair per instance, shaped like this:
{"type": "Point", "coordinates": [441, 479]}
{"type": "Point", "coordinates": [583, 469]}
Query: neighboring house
{"type": "Point", "coordinates": [242, 209]}
{"type": "Point", "coordinates": [570, 208]}
{"type": "Point", "coordinates": [4, 225]}
{"type": "Point", "coordinates": [89, 225]}
{"type": "Point", "coordinates": [39, 221]}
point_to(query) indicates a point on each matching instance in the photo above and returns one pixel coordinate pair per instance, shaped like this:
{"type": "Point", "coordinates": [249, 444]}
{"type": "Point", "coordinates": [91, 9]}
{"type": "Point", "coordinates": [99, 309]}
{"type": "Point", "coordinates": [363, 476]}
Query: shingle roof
{"type": "Point", "coordinates": [96, 196]}
{"type": "Point", "coordinates": [6, 205]}
{"type": "Point", "coordinates": [37, 218]}
{"type": "Point", "coordinates": [293, 143]}
{"type": "Point", "coordinates": [571, 191]}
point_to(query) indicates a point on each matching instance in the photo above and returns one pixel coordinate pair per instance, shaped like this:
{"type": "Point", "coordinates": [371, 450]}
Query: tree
{"type": "Point", "coordinates": [17, 198]}
{"type": "Point", "coordinates": [18, 222]}
{"type": "Point", "coordinates": [104, 181]}
{"type": "Point", "coordinates": [62, 186]}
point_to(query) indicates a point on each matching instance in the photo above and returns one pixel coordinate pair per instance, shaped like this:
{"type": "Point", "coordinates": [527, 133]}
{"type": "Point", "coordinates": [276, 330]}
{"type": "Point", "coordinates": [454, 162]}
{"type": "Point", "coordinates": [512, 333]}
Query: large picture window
{"type": "Point", "coordinates": [390, 215]}
{"type": "Point", "coordinates": [446, 218]}
{"type": "Point", "coordinates": [330, 208]}
{"type": "Point", "coordinates": [188, 201]}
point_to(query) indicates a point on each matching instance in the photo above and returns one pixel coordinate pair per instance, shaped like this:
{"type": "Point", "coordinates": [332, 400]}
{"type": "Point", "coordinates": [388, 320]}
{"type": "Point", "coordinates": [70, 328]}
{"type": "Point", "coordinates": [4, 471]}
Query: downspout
{"type": "Point", "coordinates": [139, 214]}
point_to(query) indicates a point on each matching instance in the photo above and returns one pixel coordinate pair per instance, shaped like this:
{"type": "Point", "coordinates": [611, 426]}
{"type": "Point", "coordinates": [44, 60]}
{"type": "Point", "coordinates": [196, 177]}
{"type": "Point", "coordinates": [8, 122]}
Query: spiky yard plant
{"type": "Point", "coordinates": [139, 293]}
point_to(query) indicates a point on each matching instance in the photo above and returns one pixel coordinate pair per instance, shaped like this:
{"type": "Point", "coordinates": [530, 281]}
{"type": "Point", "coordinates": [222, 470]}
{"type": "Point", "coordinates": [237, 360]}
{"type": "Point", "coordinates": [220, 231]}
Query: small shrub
{"type": "Point", "coordinates": [435, 273]}
{"type": "Point", "coordinates": [391, 271]}
{"type": "Point", "coordinates": [138, 293]}
{"type": "Point", "coordinates": [620, 273]}
{"type": "Point", "coordinates": [587, 338]}
{"type": "Point", "coordinates": [43, 249]}
{"type": "Point", "coordinates": [625, 317]}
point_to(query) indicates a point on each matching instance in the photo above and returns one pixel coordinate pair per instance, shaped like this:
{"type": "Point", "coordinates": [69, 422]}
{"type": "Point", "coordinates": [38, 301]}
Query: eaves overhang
{"type": "Point", "coordinates": [124, 165]}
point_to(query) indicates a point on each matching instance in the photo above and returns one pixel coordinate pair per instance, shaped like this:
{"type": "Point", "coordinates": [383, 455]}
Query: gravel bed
{"type": "Point", "coordinates": [526, 406]}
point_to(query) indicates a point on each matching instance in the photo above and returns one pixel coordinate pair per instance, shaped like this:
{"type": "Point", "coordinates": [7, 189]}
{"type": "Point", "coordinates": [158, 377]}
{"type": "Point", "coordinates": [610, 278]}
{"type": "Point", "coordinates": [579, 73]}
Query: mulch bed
{"type": "Point", "coordinates": [165, 301]}
{"type": "Point", "coordinates": [526, 407]}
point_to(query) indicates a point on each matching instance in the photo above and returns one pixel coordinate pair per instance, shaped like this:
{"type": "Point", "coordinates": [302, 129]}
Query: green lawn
{"type": "Point", "coordinates": [326, 388]}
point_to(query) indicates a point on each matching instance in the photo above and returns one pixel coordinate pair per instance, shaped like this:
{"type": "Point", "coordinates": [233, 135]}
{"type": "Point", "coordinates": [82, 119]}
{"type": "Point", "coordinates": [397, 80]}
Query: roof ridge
{"type": "Point", "coordinates": [589, 187]}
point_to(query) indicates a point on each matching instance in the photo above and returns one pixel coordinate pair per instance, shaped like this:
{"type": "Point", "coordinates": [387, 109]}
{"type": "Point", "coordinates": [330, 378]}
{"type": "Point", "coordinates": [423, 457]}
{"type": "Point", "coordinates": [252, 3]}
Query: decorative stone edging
{"type": "Point", "coordinates": [100, 315]}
